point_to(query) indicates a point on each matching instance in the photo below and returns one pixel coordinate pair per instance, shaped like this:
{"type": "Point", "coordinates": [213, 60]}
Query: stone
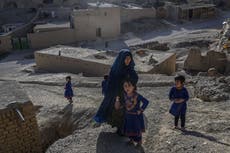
{"type": "Point", "coordinates": [212, 89]}
{"type": "Point", "coordinates": [198, 62]}
{"type": "Point", "coordinates": [212, 72]}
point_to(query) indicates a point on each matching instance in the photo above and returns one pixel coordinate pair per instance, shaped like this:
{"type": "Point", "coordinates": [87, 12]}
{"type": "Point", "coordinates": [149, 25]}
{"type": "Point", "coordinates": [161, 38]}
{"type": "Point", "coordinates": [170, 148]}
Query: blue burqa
{"type": "Point", "coordinates": [118, 73]}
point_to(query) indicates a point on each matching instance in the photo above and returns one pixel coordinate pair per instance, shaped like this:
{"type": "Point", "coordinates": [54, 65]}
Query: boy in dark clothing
{"type": "Point", "coordinates": [179, 96]}
{"type": "Point", "coordinates": [104, 84]}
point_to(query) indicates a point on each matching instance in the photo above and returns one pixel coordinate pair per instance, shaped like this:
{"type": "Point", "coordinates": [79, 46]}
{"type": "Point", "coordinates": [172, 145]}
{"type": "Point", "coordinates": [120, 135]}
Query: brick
{"type": "Point", "coordinates": [18, 136]}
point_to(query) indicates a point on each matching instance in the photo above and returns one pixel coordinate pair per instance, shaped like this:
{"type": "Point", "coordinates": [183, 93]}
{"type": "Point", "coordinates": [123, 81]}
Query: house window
{"type": "Point", "coordinates": [98, 32]}
{"type": "Point", "coordinates": [105, 13]}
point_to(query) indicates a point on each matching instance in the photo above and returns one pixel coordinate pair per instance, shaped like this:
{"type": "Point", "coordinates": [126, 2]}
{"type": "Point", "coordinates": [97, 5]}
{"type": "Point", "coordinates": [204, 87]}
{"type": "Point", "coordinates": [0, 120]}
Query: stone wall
{"type": "Point", "coordinates": [197, 13]}
{"type": "Point", "coordinates": [129, 14]}
{"type": "Point", "coordinates": [5, 44]}
{"type": "Point", "coordinates": [47, 39]}
{"type": "Point", "coordinates": [17, 134]}
{"type": "Point", "coordinates": [55, 63]}
{"type": "Point", "coordinates": [166, 65]}
{"type": "Point", "coordinates": [162, 12]}
{"type": "Point", "coordinates": [198, 62]}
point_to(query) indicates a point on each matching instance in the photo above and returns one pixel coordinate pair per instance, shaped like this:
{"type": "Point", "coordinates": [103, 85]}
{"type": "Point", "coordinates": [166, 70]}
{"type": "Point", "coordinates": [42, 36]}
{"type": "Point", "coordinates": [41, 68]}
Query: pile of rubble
{"type": "Point", "coordinates": [213, 88]}
{"type": "Point", "coordinates": [197, 62]}
{"type": "Point", "coordinates": [224, 43]}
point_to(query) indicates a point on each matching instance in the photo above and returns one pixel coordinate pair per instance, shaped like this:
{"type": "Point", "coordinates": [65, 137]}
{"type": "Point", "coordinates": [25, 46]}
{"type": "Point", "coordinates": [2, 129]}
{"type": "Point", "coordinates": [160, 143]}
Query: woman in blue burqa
{"type": "Point", "coordinates": [122, 68]}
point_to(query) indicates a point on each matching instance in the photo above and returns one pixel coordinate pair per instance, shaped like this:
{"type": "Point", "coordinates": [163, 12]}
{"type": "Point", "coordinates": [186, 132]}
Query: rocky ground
{"type": "Point", "coordinates": [69, 128]}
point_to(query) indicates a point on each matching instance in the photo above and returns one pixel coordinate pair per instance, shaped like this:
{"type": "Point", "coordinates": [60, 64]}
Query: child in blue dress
{"type": "Point", "coordinates": [134, 119]}
{"type": "Point", "coordinates": [179, 96]}
{"type": "Point", "coordinates": [68, 89]}
{"type": "Point", "coordinates": [104, 84]}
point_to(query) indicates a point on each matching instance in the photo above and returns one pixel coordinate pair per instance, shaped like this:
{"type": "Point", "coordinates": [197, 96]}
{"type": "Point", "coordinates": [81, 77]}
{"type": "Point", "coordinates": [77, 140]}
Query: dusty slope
{"type": "Point", "coordinates": [207, 123]}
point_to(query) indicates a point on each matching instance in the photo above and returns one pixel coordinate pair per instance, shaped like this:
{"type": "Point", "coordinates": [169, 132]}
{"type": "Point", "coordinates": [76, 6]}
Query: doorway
{"type": "Point", "coordinates": [98, 32]}
{"type": "Point", "coordinates": [190, 14]}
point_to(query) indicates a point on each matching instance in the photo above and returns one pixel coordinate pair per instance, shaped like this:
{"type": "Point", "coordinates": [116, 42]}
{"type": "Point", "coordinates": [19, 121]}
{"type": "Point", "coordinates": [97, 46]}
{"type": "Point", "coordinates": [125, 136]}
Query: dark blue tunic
{"type": "Point", "coordinates": [104, 86]}
{"type": "Point", "coordinates": [178, 108]}
{"type": "Point", "coordinates": [68, 90]}
{"type": "Point", "coordinates": [134, 123]}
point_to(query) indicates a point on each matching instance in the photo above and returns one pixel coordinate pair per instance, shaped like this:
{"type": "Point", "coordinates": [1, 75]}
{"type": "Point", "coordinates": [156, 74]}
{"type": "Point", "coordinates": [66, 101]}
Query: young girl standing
{"type": "Point", "coordinates": [68, 89]}
{"type": "Point", "coordinates": [134, 120]}
{"type": "Point", "coordinates": [179, 96]}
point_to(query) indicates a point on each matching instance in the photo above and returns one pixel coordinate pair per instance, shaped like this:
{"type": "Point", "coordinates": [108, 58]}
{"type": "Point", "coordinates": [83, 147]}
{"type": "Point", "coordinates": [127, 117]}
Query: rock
{"type": "Point", "coordinates": [212, 72]}
{"type": "Point", "coordinates": [209, 89]}
{"type": "Point", "coordinates": [197, 62]}
{"type": "Point", "coordinates": [202, 74]}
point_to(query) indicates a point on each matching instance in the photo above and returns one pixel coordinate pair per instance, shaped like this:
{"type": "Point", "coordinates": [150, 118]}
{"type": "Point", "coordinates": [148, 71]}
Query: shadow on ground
{"type": "Point", "coordinates": [109, 142]}
{"type": "Point", "coordinates": [207, 137]}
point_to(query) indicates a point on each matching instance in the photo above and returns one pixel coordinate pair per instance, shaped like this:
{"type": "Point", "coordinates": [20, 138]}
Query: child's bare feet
{"type": "Point", "coordinates": [176, 127]}
{"type": "Point", "coordinates": [183, 129]}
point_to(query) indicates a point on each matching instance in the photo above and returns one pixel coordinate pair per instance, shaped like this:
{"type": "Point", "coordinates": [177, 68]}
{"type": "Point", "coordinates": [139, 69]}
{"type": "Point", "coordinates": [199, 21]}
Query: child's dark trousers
{"type": "Point", "coordinates": [182, 118]}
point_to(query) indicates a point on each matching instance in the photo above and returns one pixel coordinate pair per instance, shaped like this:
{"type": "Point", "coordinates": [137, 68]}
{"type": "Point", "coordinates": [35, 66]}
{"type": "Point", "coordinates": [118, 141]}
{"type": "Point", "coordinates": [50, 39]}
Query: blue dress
{"type": "Point", "coordinates": [118, 73]}
{"type": "Point", "coordinates": [104, 86]}
{"type": "Point", "coordinates": [68, 90]}
{"type": "Point", "coordinates": [134, 123]}
{"type": "Point", "coordinates": [178, 108]}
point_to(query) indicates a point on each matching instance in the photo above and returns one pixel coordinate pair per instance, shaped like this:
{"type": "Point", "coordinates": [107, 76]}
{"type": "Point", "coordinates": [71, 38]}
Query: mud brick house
{"type": "Point", "coordinates": [191, 11]}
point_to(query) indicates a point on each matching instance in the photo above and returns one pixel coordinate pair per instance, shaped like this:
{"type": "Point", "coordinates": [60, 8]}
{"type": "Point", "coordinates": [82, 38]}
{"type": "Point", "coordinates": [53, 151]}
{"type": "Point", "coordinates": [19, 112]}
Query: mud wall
{"type": "Point", "coordinates": [16, 135]}
{"type": "Point", "coordinates": [47, 39]}
{"type": "Point", "coordinates": [5, 44]}
{"type": "Point", "coordinates": [166, 65]}
{"type": "Point", "coordinates": [128, 15]}
{"type": "Point", "coordinates": [197, 62]}
{"type": "Point", "coordinates": [55, 63]}
{"type": "Point", "coordinates": [99, 22]}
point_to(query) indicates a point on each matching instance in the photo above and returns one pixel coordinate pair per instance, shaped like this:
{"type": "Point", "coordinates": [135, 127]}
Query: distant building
{"type": "Point", "coordinates": [191, 11]}
{"type": "Point", "coordinates": [99, 22]}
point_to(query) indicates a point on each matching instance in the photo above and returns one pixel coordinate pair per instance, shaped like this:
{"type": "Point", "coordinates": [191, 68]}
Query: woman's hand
{"type": "Point", "coordinates": [179, 100]}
